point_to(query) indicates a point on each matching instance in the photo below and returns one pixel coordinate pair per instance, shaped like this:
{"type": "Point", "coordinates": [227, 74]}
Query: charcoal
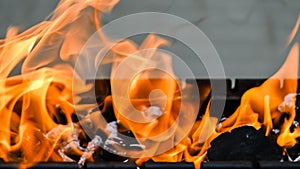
{"type": "Point", "coordinates": [244, 143]}
{"type": "Point", "coordinates": [103, 155]}
{"type": "Point", "coordinates": [294, 152]}
{"type": "Point", "coordinates": [116, 142]}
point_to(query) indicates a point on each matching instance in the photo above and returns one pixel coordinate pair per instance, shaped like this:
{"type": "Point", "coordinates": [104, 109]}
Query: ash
{"type": "Point", "coordinates": [114, 144]}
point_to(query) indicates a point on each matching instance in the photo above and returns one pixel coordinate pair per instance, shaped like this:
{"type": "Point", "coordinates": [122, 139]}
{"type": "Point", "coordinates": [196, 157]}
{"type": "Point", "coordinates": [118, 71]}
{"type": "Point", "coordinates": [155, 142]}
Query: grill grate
{"type": "Point", "coordinates": [152, 165]}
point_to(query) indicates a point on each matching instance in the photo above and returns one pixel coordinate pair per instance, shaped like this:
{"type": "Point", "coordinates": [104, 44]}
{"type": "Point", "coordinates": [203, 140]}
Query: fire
{"type": "Point", "coordinates": [275, 99]}
{"type": "Point", "coordinates": [265, 99]}
{"type": "Point", "coordinates": [37, 106]}
{"type": "Point", "coordinates": [30, 120]}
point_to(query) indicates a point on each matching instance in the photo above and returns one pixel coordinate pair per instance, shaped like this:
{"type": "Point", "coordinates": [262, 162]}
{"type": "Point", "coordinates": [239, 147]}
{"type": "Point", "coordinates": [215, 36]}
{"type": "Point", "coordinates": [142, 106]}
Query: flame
{"type": "Point", "coordinates": [260, 106]}
{"type": "Point", "coordinates": [263, 101]}
{"type": "Point", "coordinates": [29, 100]}
{"type": "Point", "coordinates": [154, 102]}
{"type": "Point", "coordinates": [37, 105]}
{"type": "Point", "coordinates": [265, 105]}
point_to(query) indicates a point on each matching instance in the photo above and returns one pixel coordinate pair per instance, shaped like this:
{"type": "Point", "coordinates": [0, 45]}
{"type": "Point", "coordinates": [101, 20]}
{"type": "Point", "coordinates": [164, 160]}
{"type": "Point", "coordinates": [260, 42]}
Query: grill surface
{"type": "Point", "coordinates": [151, 165]}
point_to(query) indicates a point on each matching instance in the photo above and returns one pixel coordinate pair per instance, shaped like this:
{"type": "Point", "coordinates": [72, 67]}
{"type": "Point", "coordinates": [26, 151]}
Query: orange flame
{"type": "Point", "coordinates": [263, 101]}
{"type": "Point", "coordinates": [265, 105]}
{"type": "Point", "coordinates": [29, 101]}
{"type": "Point", "coordinates": [32, 129]}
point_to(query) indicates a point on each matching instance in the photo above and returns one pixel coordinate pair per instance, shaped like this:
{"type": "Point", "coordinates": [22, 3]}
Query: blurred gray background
{"type": "Point", "coordinates": [249, 35]}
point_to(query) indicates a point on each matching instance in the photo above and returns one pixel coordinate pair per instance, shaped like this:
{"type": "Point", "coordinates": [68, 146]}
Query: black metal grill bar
{"type": "Point", "coordinates": [229, 165]}
{"type": "Point", "coordinates": [152, 165]}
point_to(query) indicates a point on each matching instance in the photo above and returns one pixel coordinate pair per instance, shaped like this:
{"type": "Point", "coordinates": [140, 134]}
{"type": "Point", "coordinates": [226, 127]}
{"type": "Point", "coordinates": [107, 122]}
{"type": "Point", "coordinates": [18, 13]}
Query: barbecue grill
{"type": "Point", "coordinates": [65, 102]}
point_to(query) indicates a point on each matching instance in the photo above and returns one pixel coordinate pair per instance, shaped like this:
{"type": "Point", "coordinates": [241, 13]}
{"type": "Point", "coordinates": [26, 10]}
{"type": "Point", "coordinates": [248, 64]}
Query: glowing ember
{"type": "Point", "coordinates": [37, 107]}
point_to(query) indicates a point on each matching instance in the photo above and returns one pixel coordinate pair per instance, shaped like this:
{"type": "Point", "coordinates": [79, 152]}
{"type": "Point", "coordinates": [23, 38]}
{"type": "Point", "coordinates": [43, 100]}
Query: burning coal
{"type": "Point", "coordinates": [47, 112]}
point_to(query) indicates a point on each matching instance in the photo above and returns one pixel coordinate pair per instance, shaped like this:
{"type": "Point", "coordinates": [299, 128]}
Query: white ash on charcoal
{"type": "Point", "coordinates": [108, 143]}
{"type": "Point", "coordinates": [91, 148]}
{"type": "Point", "coordinates": [67, 140]}
{"type": "Point", "coordinates": [116, 145]}
{"type": "Point", "coordinates": [111, 147]}
{"type": "Point", "coordinates": [244, 143]}
{"type": "Point", "coordinates": [293, 153]}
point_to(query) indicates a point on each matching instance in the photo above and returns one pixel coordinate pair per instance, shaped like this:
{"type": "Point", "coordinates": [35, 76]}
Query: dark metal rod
{"type": "Point", "coordinates": [228, 165]}
{"type": "Point", "coordinates": [153, 165]}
